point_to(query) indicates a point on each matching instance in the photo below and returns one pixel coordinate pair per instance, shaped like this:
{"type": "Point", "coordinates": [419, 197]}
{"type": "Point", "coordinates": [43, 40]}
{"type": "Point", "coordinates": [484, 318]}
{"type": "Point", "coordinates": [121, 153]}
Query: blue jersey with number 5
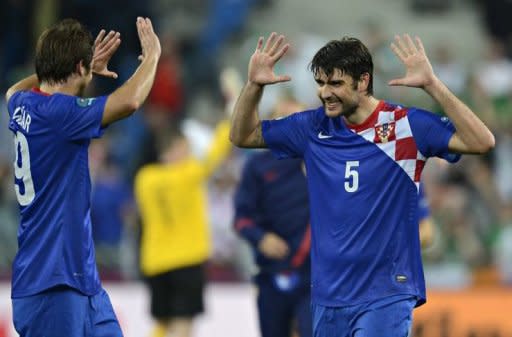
{"type": "Point", "coordinates": [363, 190]}
{"type": "Point", "coordinates": [51, 179]}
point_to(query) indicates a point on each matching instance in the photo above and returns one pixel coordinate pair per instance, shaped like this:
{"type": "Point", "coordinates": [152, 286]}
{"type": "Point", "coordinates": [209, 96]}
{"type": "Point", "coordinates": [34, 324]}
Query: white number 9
{"type": "Point", "coordinates": [22, 170]}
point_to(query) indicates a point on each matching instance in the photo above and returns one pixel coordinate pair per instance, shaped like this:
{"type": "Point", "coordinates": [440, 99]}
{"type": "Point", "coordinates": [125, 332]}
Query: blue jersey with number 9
{"type": "Point", "coordinates": [52, 184]}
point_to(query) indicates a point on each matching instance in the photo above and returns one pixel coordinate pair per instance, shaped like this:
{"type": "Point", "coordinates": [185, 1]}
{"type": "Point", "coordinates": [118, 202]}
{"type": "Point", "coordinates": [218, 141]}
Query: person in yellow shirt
{"type": "Point", "coordinates": [171, 197]}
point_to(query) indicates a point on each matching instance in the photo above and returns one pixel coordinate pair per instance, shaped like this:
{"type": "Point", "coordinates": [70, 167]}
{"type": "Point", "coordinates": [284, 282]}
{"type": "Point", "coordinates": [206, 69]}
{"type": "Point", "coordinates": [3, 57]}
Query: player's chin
{"type": "Point", "coordinates": [333, 112]}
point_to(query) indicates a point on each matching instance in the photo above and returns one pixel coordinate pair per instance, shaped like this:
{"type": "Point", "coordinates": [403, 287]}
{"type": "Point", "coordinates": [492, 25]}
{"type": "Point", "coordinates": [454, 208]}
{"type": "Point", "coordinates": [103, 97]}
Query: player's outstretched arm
{"type": "Point", "coordinates": [25, 84]}
{"type": "Point", "coordinates": [472, 135]}
{"type": "Point", "coordinates": [132, 94]}
{"type": "Point", "coordinates": [245, 122]}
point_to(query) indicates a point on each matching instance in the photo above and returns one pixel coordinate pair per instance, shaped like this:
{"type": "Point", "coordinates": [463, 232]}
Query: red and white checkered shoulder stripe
{"type": "Point", "coordinates": [393, 135]}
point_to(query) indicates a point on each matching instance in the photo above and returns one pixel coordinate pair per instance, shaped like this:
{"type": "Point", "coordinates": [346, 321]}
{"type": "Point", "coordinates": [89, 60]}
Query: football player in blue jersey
{"type": "Point", "coordinates": [364, 157]}
{"type": "Point", "coordinates": [272, 214]}
{"type": "Point", "coordinates": [56, 290]}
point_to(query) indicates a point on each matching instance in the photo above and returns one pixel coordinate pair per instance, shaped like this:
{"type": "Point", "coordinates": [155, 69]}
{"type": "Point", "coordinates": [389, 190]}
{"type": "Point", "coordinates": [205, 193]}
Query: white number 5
{"type": "Point", "coordinates": [22, 171]}
{"type": "Point", "coordinates": [351, 185]}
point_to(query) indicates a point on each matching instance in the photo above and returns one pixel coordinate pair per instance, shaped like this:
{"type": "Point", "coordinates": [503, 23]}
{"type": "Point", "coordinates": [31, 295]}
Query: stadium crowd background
{"type": "Point", "coordinates": [469, 43]}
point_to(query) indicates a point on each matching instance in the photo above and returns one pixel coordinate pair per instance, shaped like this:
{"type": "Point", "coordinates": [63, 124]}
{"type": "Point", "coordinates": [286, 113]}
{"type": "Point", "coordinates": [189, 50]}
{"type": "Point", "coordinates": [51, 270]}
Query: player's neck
{"type": "Point", "coordinates": [366, 107]}
{"type": "Point", "coordinates": [70, 87]}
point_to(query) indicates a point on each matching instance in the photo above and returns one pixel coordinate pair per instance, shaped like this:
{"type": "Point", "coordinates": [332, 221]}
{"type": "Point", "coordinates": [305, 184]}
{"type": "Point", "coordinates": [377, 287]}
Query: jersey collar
{"type": "Point", "coordinates": [370, 120]}
{"type": "Point", "coordinates": [38, 91]}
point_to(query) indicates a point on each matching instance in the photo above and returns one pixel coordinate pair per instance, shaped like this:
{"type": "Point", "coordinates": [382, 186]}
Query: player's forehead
{"type": "Point", "coordinates": [334, 75]}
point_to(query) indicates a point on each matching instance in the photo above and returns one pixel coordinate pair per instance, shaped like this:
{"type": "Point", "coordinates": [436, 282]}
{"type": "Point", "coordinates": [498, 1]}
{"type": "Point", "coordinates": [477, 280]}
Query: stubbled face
{"type": "Point", "coordinates": [339, 93]}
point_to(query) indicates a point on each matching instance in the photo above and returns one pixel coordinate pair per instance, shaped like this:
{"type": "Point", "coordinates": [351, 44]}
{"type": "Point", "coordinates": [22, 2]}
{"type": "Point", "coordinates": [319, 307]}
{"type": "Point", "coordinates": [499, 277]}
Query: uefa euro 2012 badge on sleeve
{"type": "Point", "coordinates": [84, 102]}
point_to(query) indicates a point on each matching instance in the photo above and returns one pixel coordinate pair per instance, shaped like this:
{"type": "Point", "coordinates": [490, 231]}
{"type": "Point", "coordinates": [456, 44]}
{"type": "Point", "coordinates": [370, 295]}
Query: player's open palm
{"type": "Point", "coordinates": [105, 46]}
{"type": "Point", "coordinates": [419, 72]}
{"type": "Point", "coordinates": [149, 42]}
{"type": "Point", "coordinates": [264, 58]}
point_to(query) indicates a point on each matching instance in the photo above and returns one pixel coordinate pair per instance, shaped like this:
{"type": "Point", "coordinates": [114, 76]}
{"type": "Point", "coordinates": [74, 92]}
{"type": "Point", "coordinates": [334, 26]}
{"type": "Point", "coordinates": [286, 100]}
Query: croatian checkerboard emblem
{"type": "Point", "coordinates": [385, 132]}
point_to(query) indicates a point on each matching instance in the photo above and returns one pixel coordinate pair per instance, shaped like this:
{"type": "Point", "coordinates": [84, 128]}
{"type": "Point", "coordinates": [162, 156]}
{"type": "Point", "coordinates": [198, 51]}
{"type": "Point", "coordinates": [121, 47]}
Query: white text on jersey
{"type": "Point", "coordinates": [22, 117]}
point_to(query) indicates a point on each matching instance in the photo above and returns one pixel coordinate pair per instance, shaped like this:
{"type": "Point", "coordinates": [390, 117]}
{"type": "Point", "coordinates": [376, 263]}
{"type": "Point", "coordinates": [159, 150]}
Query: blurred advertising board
{"type": "Point", "coordinates": [484, 312]}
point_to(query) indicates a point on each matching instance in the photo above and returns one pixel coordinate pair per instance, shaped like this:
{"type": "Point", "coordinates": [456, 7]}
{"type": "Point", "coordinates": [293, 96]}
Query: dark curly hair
{"type": "Point", "coordinates": [349, 55]}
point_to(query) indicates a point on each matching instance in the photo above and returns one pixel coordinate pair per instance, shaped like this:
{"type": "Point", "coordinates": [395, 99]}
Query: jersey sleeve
{"type": "Point", "coordinates": [432, 134]}
{"type": "Point", "coordinates": [246, 205]}
{"type": "Point", "coordinates": [78, 118]}
{"type": "Point", "coordinates": [287, 137]}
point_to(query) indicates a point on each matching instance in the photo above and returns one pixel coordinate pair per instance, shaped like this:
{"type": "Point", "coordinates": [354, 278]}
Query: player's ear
{"type": "Point", "coordinates": [80, 69]}
{"type": "Point", "coordinates": [364, 81]}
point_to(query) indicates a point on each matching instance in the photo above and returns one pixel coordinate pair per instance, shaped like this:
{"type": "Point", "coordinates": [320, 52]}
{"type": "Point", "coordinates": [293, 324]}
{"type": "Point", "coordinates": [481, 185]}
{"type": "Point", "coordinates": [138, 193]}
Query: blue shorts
{"type": "Point", "coordinates": [390, 316]}
{"type": "Point", "coordinates": [65, 312]}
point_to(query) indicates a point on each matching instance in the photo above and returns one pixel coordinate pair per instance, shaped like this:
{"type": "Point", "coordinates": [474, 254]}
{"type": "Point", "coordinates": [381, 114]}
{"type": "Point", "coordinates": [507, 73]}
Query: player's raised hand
{"type": "Point", "coordinates": [419, 72]}
{"type": "Point", "coordinates": [149, 42]}
{"type": "Point", "coordinates": [105, 46]}
{"type": "Point", "coordinates": [261, 64]}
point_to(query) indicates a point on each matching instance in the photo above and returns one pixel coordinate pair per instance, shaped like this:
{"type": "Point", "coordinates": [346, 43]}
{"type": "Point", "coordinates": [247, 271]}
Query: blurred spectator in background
{"type": "Point", "coordinates": [8, 218]}
{"type": "Point", "coordinates": [112, 208]}
{"type": "Point", "coordinates": [272, 214]}
{"type": "Point", "coordinates": [16, 17]}
{"type": "Point", "coordinates": [496, 21]}
{"type": "Point", "coordinates": [450, 69]}
{"type": "Point", "coordinates": [492, 81]}
{"type": "Point", "coordinates": [425, 220]}
{"type": "Point", "coordinates": [166, 97]}
{"type": "Point", "coordinates": [176, 241]}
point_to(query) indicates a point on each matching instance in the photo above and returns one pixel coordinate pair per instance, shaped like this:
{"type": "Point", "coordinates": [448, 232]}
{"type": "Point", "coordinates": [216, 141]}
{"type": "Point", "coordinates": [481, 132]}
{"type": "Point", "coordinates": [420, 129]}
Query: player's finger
{"type": "Point", "coordinates": [420, 44]}
{"type": "Point", "coordinates": [140, 34]}
{"type": "Point", "coordinates": [410, 44]}
{"type": "Point", "coordinates": [281, 52]}
{"type": "Point", "coordinates": [106, 39]}
{"type": "Point", "coordinates": [275, 47]}
{"type": "Point", "coordinates": [150, 25]}
{"type": "Point", "coordinates": [259, 44]}
{"type": "Point", "coordinates": [399, 42]}
{"type": "Point", "coordinates": [99, 38]}
{"type": "Point", "coordinates": [108, 50]}
{"type": "Point", "coordinates": [282, 78]}
{"type": "Point", "coordinates": [396, 82]}
{"type": "Point", "coordinates": [109, 42]}
{"type": "Point", "coordinates": [113, 44]}
{"type": "Point", "coordinates": [112, 74]}
{"type": "Point", "coordinates": [270, 42]}
{"type": "Point", "coordinates": [398, 52]}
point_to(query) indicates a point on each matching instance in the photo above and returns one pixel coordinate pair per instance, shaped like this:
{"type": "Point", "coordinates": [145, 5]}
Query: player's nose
{"type": "Point", "coordinates": [324, 92]}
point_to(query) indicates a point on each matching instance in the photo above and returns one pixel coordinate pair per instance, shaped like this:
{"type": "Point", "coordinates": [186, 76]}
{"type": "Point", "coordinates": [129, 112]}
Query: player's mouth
{"type": "Point", "coordinates": [333, 105]}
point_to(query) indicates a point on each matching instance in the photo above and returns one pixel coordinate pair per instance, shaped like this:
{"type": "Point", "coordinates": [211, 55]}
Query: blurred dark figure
{"type": "Point", "coordinates": [16, 27]}
{"type": "Point", "coordinates": [112, 206]}
{"type": "Point", "coordinates": [272, 215]}
{"type": "Point", "coordinates": [496, 20]}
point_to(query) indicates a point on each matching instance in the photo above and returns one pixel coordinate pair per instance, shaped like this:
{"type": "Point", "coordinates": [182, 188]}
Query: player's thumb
{"type": "Point", "coordinates": [396, 82]}
{"type": "Point", "coordinates": [283, 78]}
